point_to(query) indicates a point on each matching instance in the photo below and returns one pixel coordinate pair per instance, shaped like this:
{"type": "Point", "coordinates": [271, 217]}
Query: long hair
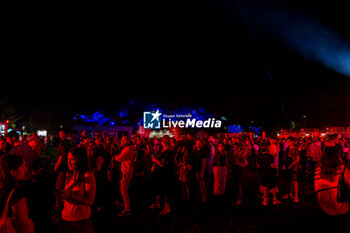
{"type": "Point", "coordinates": [7, 164]}
{"type": "Point", "coordinates": [82, 166]}
{"type": "Point", "coordinates": [330, 162]}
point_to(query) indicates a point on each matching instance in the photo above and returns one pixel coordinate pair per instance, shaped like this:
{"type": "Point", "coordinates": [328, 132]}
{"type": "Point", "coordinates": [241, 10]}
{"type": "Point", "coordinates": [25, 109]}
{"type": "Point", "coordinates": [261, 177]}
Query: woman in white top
{"type": "Point", "coordinates": [78, 194]}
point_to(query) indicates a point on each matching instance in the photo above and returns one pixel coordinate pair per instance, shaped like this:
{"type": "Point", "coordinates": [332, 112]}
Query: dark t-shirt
{"type": "Point", "coordinates": [189, 144]}
{"type": "Point", "coordinates": [62, 150]}
{"type": "Point", "coordinates": [293, 155]}
{"type": "Point", "coordinates": [197, 157]}
{"type": "Point", "coordinates": [101, 175]}
{"type": "Point", "coordinates": [220, 158]}
{"type": "Point", "coordinates": [265, 160]}
{"type": "Point", "coordinates": [101, 151]}
{"type": "Point", "coordinates": [63, 147]}
{"type": "Point", "coordinates": [166, 158]}
{"type": "Point", "coordinates": [164, 177]}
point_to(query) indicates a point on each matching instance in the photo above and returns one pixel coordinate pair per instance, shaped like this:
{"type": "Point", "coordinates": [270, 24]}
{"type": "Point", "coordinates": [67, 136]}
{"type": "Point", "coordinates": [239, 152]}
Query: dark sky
{"type": "Point", "coordinates": [200, 53]}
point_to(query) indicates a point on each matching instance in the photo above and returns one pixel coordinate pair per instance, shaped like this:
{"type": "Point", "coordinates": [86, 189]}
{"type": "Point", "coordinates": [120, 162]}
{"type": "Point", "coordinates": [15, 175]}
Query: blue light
{"type": "Point", "coordinates": [201, 110]}
{"type": "Point", "coordinates": [97, 117]}
{"type": "Point", "coordinates": [123, 113]}
{"type": "Point", "coordinates": [235, 129]}
{"type": "Point", "coordinates": [254, 129]}
{"type": "Point", "coordinates": [84, 118]}
{"type": "Point", "coordinates": [304, 34]}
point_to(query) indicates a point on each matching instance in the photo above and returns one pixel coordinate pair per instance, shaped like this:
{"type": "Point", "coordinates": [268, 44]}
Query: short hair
{"type": "Point", "coordinates": [7, 164]}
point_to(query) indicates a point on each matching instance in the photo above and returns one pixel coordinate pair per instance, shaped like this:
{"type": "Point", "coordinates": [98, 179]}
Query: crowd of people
{"type": "Point", "coordinates": [96, 172]}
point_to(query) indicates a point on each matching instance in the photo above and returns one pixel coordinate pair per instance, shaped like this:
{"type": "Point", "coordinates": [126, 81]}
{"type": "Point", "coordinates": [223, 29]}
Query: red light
{"type": "Point", "coordinates": [7, 121]}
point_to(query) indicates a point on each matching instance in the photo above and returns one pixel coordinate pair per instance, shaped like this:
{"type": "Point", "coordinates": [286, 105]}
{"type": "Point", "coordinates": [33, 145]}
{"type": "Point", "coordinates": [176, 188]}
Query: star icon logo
{"type": "Point", "coordinates": [156, 115]}
{"type": "Point", "coordinates": [151, 120]}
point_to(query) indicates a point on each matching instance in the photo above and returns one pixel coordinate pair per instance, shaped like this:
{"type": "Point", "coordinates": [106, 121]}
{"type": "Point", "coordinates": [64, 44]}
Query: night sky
{"type": "Point", "coordinates": [212, 54]}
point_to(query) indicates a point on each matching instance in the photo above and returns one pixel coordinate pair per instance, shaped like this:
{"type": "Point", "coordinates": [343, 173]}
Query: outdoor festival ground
{"type": "Point", "coordinates": [217, 215]}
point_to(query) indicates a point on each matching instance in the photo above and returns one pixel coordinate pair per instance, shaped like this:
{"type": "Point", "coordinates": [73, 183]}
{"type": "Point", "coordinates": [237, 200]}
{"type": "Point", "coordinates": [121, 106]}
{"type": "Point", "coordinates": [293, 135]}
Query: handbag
{"type": "Point", "coordinates": [343, 190]}
{"type": "Point", "coordinates": [6, 224]}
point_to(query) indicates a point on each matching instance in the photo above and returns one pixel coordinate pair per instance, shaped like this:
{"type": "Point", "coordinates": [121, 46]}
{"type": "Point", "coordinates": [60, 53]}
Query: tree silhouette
{"type": "Point", "coordinates": [8, 111]}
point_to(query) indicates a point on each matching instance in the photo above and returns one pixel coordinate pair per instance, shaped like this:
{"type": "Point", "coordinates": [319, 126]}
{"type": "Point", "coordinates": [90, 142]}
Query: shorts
{"type": "Point", "coordinates": [269, 178]}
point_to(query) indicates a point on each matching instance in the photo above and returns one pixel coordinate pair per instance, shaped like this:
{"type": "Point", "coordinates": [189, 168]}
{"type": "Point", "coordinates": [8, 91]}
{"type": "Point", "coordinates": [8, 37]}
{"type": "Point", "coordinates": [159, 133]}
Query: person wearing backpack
{"type": "Point", "coordinates": [13, 203]}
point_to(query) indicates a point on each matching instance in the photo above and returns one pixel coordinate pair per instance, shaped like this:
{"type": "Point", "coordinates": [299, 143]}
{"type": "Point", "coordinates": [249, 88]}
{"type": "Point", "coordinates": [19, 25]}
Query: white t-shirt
{"type": "Point", "coordinates": [76, 212]}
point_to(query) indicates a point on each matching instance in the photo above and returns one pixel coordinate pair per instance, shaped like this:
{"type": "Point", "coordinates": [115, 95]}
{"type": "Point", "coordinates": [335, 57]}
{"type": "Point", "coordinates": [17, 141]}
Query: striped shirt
{"type": "Point", "coordinates": [327, 193]}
